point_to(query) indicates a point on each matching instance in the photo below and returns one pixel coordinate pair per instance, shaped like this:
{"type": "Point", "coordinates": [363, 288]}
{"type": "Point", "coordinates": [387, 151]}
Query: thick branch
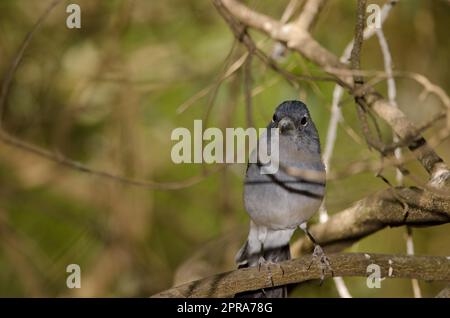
{"type": "Point", "coordinates": [392, 207]}
{"type": "Point", "coordinates": [309, 14]}
{"type": "Point", "coordinates": [295, 38]}
{"type": "Point", "coordinates": [430, 268]}
{"type": "Point", "coordinates": [406, 130]}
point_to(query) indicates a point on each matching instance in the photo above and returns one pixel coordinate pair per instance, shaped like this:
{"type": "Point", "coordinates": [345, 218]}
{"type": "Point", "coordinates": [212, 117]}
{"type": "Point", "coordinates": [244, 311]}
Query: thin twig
{"type": "Point", "coordinates": [69, 163]}
{"type": "Point", "coordinates": [392, 95]}
{"type": "Point", "coordinates": [248, 90]}
{"type": "Point", "coordinates": [19, 56]}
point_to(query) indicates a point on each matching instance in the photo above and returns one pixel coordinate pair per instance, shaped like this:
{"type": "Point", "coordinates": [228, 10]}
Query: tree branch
{"type": "Point", "coordinates": [392, 207]}
{"type": "Point", "coordinates": [301, 41]}
{"type": "Point", "coordinates": [18, 58]}
{"type": "Point", "coordinates": [309, 14]}
{"type": "Point", "coordinates": [77, 166]}
{"type": "Point", "coordinates": [355, 56]}
{"type": "Point", "coordinates": [430, 268]}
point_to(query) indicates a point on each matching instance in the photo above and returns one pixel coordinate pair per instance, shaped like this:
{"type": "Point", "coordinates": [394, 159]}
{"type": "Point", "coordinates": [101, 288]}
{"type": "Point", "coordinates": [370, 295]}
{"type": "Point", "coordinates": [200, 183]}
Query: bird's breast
{"type": "Point", "coordinates": [280, 201]}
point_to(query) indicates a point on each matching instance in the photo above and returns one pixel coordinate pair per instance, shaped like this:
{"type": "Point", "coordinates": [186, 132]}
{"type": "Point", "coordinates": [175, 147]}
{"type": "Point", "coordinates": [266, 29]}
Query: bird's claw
{"type": "Point", "coordinates": [263, 262]}
{"type": "Point", "coordinates": [323, 262]}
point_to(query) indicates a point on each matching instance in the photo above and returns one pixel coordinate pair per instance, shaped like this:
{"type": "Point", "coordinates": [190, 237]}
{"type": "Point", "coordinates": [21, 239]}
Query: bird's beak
{"type": "Point", "coordinates": [286, 125]}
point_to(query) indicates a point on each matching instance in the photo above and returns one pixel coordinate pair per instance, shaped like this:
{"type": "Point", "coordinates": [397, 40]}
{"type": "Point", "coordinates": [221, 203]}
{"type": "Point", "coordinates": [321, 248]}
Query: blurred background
{"type": "Point", "coordinates": [108, 95]}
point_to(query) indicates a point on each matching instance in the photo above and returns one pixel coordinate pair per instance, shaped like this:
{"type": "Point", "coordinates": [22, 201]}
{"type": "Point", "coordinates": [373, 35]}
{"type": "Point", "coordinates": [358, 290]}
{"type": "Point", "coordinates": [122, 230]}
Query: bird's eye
{"type": "Point", "coordinates": [274, 118]}
{"type": "Point", "coordinates": [304, 121]}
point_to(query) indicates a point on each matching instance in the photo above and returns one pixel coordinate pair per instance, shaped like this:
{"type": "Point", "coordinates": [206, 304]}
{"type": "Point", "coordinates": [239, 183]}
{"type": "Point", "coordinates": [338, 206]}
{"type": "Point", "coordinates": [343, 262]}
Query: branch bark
{"type": "Point", "coordinates": [392, 207]}
{"type": "Point", "coordinates": [309, 14]}
{"type": "Point", "coordinates": [430, 268]}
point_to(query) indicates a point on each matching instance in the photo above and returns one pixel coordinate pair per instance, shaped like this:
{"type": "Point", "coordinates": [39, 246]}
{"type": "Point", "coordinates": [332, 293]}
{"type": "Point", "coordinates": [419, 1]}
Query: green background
{"type": "Point", "coordinates": [107, 95]}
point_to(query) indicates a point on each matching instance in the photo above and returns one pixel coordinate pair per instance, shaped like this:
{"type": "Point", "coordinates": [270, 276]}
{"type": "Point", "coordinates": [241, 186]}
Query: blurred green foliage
{"type": "Point", "coordinates": [107, 95]}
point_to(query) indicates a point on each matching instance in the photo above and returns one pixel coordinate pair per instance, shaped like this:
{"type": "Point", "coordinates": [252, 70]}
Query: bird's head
{"type": "Point", "coordinates": [293, 119]}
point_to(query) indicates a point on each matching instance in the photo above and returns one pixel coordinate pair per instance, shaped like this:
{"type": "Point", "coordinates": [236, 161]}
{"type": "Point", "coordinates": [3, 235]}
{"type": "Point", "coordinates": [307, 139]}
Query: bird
{"type": "Point", "coordinates": [281, 202]}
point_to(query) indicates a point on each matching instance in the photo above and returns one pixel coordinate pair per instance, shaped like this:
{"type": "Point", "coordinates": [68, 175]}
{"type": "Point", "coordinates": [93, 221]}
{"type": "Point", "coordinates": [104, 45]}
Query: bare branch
{"type": "Point", "coordinates": [430, 268]}
{"type": "Point", "coordinates": [248, 90]}
{"type": "Point", "coordinates": [295, 38]}
{"type": "Point", "coordinates": [225, 74]}
{"type": "Point", "coordinates": [309, 14]}
{"type": "Point", "coordinates": [74, 165]}
{"type": "Point", "coordinates": [376, 212]}
{"type": "Point", "coordinates": [410, 251]}
{"type": "Point", "coordinates": [355, 56]}
{"type": "Point", "coordinates": [301, 41]}
{"type": "Point", "coordinates": [336, 114]}
{"type": "Point", "coordinates": [18, 58]}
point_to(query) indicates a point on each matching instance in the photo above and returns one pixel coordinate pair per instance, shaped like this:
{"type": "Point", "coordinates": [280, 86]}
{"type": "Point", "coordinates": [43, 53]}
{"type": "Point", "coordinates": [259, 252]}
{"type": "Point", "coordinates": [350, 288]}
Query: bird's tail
{"type": "Point", "coordinates": [245, 258]}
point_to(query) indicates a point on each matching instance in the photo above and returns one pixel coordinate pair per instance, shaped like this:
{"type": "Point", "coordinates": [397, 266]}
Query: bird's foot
{"type": "Point", "coordinates": [323, 262]}
{"type": "Point", "coordinates": [263, 262]}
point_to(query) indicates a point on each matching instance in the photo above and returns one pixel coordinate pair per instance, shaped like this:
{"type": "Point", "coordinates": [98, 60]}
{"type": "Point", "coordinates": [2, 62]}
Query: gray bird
{"type": "Point", "coordinates": [280, 203]}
